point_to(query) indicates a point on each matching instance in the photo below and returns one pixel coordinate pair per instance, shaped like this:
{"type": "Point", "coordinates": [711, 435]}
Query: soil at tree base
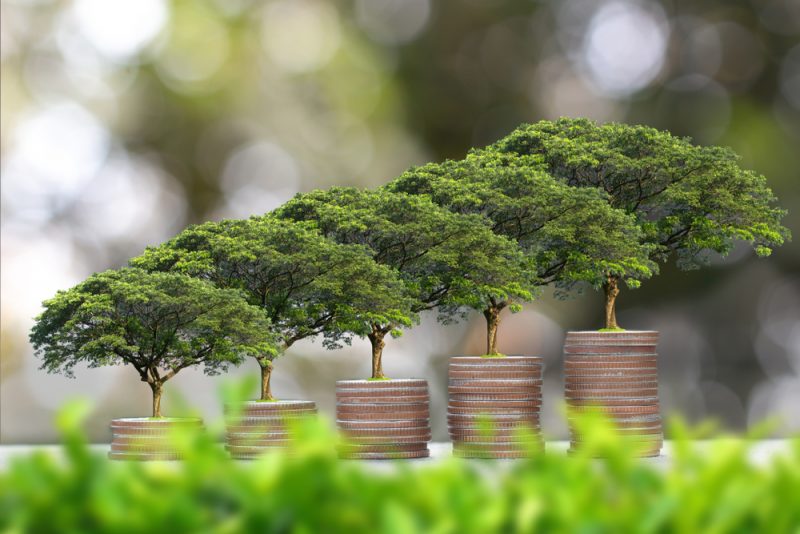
{"type": "Point", "coordinates": [617, 373]}
{"type": "Point", "coordinates": [254, 427]}
{"type": "Point", "coordinates": [383, 419]}
{"type": "Point", "coordinates": [148, 439]}
{"type": "Point", "coordinates": [494, 406]}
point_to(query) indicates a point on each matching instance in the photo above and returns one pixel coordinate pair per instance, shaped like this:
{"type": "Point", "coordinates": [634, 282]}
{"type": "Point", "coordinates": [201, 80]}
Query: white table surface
{"type": "Point", "coordinates": [760, 452]}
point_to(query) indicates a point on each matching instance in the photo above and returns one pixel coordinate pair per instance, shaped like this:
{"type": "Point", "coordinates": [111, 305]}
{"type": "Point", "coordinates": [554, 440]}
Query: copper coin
{"type": "Point", "coordinates": [383, 447]}
{"type": "Point", "coordinates": [383, 392]}
{"type": "Point", "coordinates": [619, 410]}
{"type": "Point", "coordinates": [500, 360]}
{"type": "Point", "coordinates": [615, 402]}
{"type": "Point", "coordinates": [156, 423]}
{"type": "Point", "coordinates": [512, 439]}
{"type": "Point", "coordinates": [493, 420]}
{"type": "Point", "coordinates": [490, 404]}
{"type": "Point", "coordinates": [382, 384]}
{"type": "Point", "coordinates": [383, 425]}
{"type": "Point", "coordinates": [383, 440]}
{"type": "Point", "coordinates": [583, 393]}
{"type": "Point", "coordinates": [146, 441]}
{"type": "Point", "coordinates": [384, 455]}
{"type": "Point", "coordinates": [386, 432]}
{"type": "Point", "coordinates": [393, 399]}
{"type": "Point", "coordinates": [342, 412]}
{"type": "Point", "coordinates": [511, 383]}
{"type": "Point", "coordinates": [491, 375]}
{"type": "Point", "coordinates": [620, 335]}
{"type": "Point", "coordinates": [495, 448]}
{"type": "Point", "coordinates": [382, 407]}
{"type": "Point", "coordinates": [145, 456]}
{"type": "Point", "coordinates": [609, 383]}
{"type": "Point", "coordinates": [498, 397]}
{"type": "Point", "coordinates": [496, 411]}
{"type": "Point", "coordinates": [480, 368]}
{"type": "Point", "coordinates": [495, 455]}
{"type": "Point", "coordinates": [620, 361]}
{"type": "Point", "coordinates": [419, 416]}
{"type": "Point", "coordinates": [587, 372]}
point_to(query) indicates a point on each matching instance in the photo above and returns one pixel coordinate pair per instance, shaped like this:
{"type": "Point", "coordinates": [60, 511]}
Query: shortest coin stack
{"type": "Point", "coordinates": [258, 427]}
{"type": "Point", "coordinates": [146, 438]}
{"type": "Point", "coordinates": [494, 404]}
{"type": "Point", "coordinates": [617, 373]}
{"type": "Point", "coordinates": [383, 419]}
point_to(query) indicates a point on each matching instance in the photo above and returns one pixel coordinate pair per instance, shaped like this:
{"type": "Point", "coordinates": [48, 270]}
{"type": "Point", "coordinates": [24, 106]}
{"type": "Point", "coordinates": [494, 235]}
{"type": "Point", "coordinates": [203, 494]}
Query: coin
{"type": "Point", "coordinates": [384, 455]}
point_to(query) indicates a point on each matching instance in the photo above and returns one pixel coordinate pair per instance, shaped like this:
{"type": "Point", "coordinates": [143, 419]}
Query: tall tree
{"type": "Point", "coordinates": [568, 234]}
{"type": "Point", "coordinates": [687, 199]}
{"type": "Point", "coordinates": [445, 259]}
{"type": "Point", "coordinates": [305, 284]}
{"type": "Point", "coordinates": [159, 323]}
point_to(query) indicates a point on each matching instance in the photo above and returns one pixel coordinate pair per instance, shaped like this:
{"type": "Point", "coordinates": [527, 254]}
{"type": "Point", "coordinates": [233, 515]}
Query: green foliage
{"type": "Point", "coordinates": [568, 234]}
{"type": "Point", "coordinates": [688, 199]}
{"type": "Point", "coordinates": [159, 323]}
{"type": "Point", "coordinates": [717, 489]}
{"type": "Point", "coordinates": [306, 284]}
{"type": "Point", "coordinates": [446, 260]}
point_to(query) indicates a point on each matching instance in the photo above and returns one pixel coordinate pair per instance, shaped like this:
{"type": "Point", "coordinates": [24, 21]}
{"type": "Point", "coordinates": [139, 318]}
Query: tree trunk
{"type": "Point", "coordinates": [376, 339]}
{"type": "Point", "coordinates": [156, 387]}
{"type": "Point", "coordinates": [266, 376]}
{"type": "Point", "coordinates": [492, 314]}
{"type": "Point", "coordinates": [611, 288]}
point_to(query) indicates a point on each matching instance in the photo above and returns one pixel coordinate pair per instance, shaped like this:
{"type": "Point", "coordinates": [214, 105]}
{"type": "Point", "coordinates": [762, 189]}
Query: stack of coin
{"type": "Point", "coordinates": [145, 438]}
{"type": "Point", "coordinates": [258, 427]}
{"type": "Point", "coordinates": [383, 419]}
{"type": "Point", "coordinates": [494, 405]}
{"type": "Point", "coordinates": [617, 373]}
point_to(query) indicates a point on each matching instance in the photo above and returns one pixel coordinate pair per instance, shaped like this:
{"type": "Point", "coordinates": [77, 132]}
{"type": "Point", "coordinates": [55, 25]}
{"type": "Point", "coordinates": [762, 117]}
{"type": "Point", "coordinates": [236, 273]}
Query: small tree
{"type": "Point", "coordinates": [446, 260]}
{"type": "Point", "coordinates": [306, 284]}
{"type": "Point", "coordinates": [568, 234]}
{"type": "Point", "coordinates": [159, 323]}
{"type": "Point", "coordinates": [687, 199]}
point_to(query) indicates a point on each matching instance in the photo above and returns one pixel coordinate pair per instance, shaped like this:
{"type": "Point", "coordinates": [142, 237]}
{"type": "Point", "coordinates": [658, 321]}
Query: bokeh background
{"type": "Point", "coordinates": [124, 121]}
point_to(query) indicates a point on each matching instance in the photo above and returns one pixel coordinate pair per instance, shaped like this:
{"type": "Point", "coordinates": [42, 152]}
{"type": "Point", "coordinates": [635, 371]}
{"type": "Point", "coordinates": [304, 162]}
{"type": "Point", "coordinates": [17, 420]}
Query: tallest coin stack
{"type": "Point", "coordinates": [616, 372]}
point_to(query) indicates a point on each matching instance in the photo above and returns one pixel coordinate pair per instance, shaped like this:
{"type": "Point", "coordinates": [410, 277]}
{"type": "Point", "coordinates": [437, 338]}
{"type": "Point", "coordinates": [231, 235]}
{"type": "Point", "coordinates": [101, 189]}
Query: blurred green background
{"type": "Point", "coordinates": [123, 121]}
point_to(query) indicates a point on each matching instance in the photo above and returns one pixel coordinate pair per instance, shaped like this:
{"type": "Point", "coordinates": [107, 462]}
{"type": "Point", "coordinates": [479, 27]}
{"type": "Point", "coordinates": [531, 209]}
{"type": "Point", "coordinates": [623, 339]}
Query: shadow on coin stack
{"type": "Point", "coordinates": [617, 373]}
{"type": "Point", "coordinates": [257, 427]}
{"type": "Point", "coordinates": [145, 438]}
{"type": "Point", "coordinates": [490, 401]}
{"type": "Point", "coordinates": [383, 419]}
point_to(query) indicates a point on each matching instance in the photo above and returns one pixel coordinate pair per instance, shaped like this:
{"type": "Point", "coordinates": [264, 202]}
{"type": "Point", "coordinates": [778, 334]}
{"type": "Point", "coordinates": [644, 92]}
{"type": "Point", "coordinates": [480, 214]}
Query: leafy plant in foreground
{"type": "Point", "coordinates": [715, 488]}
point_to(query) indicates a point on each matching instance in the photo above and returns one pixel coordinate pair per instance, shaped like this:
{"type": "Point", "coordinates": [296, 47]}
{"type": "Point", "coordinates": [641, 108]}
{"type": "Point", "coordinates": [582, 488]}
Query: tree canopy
{"type": "Point", "coordinates": [306, 284]}
{"type": "Point", "coordinates": [159, 323]}
{"type": "Point", "coordinates": [687, 199]}
{"type": "Point", "coordinates": [568, 234]}
{"type": "Point", "coordinates": [446, 260]}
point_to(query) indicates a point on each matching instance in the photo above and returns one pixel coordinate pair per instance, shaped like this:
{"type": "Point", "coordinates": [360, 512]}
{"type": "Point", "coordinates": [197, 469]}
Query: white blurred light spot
{"type": "Point", "coordinates": [54, 154]}
{"type": "Point", "coordinates": [120, 28]}
{"type": "Point", "coordinates": [393, 21]}
{"type": "Point", "coordinates": [258, 178]}
{"type": "Point", "coordinates": [300, 36]}
{"type": "Point", "coordinates": [128, 199]}
{"type": "Point", "coordinates": [624, 48]}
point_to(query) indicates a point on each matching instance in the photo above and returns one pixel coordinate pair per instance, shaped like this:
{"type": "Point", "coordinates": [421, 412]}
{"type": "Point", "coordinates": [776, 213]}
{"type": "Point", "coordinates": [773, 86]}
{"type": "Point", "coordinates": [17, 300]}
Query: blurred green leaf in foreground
{"type": "Point", "coordinates": [718, 490]}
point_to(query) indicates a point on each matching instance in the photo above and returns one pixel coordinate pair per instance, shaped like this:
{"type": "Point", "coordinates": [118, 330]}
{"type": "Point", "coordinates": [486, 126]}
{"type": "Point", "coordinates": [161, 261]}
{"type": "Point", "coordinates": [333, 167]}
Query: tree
{"type": "Point", "coordinates": [687, 199]}
{"type": "Point", "coordinates": [445, 259]}
{"type": "Point", "coordinates": [305, 283]}
{"type": "Point", "coordinates": [159, 323]}
{"type": "Point", "coordinates": [568, 234]}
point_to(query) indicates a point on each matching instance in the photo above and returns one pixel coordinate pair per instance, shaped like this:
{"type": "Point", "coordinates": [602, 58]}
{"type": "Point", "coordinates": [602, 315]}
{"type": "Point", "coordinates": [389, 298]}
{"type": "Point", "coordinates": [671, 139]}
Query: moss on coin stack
{"type": "Point", "coordinates": [148, 438]}
{"type": "Point", "coordinates": [257, 427]}
{"type": "Point", "coordinates": [494, 404]}
{"type": "Point", "coordinates": [383, 419]}
{"type": "Point", "coordinates": [617, 373]}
